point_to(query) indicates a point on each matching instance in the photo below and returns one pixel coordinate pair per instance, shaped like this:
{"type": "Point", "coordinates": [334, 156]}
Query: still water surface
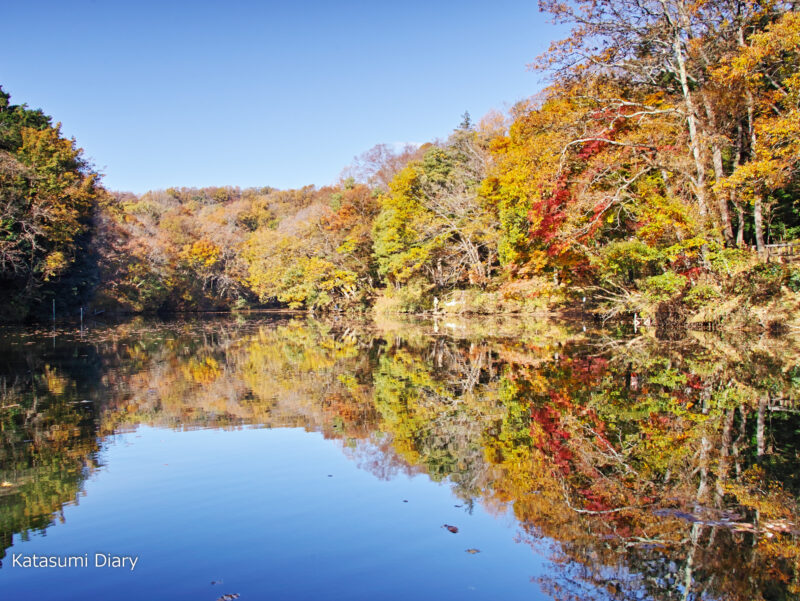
{"type": "Point", "coordinates": [297, 459]}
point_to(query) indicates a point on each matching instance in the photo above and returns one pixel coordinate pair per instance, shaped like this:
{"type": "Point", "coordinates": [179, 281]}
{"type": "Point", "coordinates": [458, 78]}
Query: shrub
{"type": "Point", "coordinates": [793, 280]}
{"type": "Point", "coordinates": [414, 297]}
{"type": "Point", "coordinates": [730, 261]}
{"type": "Point", "coordinates": [660, 288]}
{"type": "Point", "coordinates": [764, 280]}
{"type": "Point", "coordinates": [701, 294]}
{"type": "Point", "coordinates": [630, 260]}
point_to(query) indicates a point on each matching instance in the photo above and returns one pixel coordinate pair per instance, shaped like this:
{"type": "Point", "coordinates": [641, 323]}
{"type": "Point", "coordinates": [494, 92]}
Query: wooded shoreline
{"type": "Point", "coordinates": [652, 177]}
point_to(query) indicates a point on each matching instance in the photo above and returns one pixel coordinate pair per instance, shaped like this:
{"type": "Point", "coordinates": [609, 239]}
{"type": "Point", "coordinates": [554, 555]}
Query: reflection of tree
{"type": "Point", "coordinates": [656, 471]}
{"type": "Point", "coordinates": [650, 470]}
{"type": "Point", "coordinates": [287, 375]}
{"type": "Point", "coordinates": [47, 444]}
{"type": "Point", "coordinates": [434, 407]}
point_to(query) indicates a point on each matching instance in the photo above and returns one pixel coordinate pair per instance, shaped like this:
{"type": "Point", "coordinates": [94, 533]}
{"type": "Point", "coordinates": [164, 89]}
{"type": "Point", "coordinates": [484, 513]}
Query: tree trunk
{"type": "Point", "coordinates": [691, 115]}
{"type": "Point", "coordinates": [758, 219]}
{"type": "Point", "coordinates": [737, 160]}
{"type": "Point", "coordinates": [719, 172]}
{"type": "Point", "coordinates": [722, 200]}
{"type": "Point", "coordinates": [740, 226]}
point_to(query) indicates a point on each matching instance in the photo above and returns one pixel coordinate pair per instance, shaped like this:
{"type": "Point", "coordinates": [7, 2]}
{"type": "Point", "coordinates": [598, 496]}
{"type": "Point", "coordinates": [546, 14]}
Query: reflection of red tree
{"type": "Point", "coordinates": [550, 436]}
{"type": "Point", "coordinates": [588, 370]}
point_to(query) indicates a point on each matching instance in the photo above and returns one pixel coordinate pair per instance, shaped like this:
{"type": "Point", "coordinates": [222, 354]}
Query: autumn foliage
{"type": "Point", "coordinates": [662, 152]}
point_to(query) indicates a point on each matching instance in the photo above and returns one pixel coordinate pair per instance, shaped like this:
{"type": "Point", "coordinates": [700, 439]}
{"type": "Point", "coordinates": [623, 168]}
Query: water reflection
{"type": "Point", "coordinates": [647, 469]}
{"type": "Point", "coordinates": [48, 439]}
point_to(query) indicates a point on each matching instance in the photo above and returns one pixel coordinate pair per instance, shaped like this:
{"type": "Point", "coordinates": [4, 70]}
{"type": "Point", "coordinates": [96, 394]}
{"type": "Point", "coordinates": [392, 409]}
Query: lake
{"type": "Point", "coordinates": [284, 457]}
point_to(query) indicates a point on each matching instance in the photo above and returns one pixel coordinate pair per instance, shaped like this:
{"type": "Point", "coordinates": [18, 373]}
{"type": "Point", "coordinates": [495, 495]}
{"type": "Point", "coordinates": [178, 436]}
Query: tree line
{"type": "Point", "coordinates": [653, 170]}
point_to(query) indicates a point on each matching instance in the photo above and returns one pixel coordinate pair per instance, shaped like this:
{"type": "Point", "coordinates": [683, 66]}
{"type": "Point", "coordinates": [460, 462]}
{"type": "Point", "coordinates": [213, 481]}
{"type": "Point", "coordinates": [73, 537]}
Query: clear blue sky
{"type": "Point", "coordinates": [253, 93]}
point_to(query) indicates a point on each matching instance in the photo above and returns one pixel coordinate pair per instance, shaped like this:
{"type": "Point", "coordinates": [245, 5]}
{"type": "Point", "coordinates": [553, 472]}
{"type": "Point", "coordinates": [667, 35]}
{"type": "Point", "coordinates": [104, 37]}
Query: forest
{"type": "Point", "coordinates": [649, 178]}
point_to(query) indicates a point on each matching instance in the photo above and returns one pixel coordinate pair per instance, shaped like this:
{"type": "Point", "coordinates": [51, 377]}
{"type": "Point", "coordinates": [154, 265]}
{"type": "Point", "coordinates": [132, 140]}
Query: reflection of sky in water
{"type": "Point", "coordinates": [256, 508]}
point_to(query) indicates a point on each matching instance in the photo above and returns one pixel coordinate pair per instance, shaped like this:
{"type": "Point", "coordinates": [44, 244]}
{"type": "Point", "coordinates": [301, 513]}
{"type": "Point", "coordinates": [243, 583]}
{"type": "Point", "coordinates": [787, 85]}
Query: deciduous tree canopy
{"type": "Point", "coordinates": [663, 150]}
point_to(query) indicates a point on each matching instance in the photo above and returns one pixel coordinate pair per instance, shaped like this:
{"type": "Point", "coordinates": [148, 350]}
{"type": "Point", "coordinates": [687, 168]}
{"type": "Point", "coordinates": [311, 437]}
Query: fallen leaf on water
{"type": "Point", "coordinates": [473, 551]}
{"type": "Point", "coordinates": [452, 529]}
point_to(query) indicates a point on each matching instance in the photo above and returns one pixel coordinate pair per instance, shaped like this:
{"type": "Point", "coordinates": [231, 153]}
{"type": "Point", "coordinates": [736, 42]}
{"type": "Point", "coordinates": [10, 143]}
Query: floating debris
{"type": "Point", "coordinates": [780, 526]}
{"type": "Point", "coordinates": [730, 520]}
{"type": "Point", "coordinates": [452, 529]}
{"type": "Point", "coordinates": [473, 551]}
{"type": "Point", "coordinates": [681, 515]}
